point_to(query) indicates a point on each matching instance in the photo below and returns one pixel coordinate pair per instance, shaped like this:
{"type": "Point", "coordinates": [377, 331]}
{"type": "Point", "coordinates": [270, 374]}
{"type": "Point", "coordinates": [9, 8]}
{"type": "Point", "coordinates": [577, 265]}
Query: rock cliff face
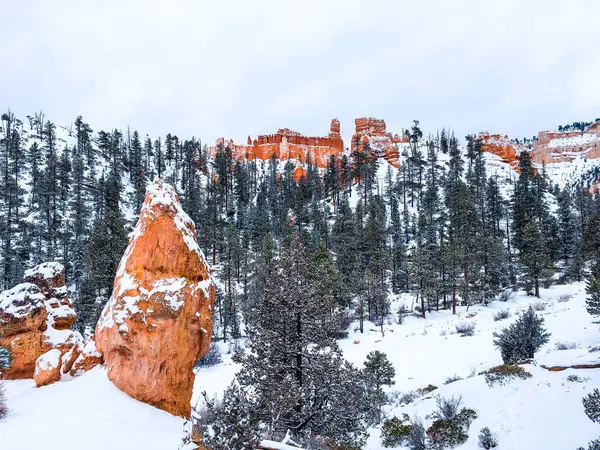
{"type": "Point", "coordinates": [500, 146]}
{"type": "Point", "coordinates": [287, 144]}
{"type": "Point", "coordinates": [371, 134]}
{"type": "Point", "coordinates": [158, 322]}
{"type": "Point", "coordinates": [552, 147]}
{"type": "Point", "coordinates": [36, 318]}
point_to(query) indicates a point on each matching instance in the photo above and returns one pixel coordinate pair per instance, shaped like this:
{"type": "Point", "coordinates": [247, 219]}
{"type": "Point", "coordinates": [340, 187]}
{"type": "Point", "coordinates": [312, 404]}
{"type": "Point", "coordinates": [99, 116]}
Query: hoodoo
{"type": "Point", "coordinates": [158, 322]}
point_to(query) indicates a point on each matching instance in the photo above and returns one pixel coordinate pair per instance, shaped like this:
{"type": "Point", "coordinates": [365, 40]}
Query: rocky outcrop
{"type": "Point", "coordinates": [87, 359]}
{"type": "Point", "coordinates": [36, 317]}
{"type": "Point", "coordinates": [500, 146]}
{"type": "Point", "coordinates": [157, 322]}
{"type": "Point", "coordinates": [371, 136]}
{"type": "Point", "coordinates": [552, 147]}
{"type": "Point", "coordinates": [287, 144]}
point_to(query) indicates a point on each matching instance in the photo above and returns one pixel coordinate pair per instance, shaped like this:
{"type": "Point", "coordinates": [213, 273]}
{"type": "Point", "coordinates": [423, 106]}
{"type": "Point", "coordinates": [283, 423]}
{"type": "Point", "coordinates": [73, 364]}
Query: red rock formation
{"type": "Point", "coordinates": [552, 147]}
{"type": "Point", "coordinates": [287, 144]}
{"type": "Point", "coordinates": [36, 317]}
{"type": "Point", "coordinates": [500, 146]}
{"type": "Point", "coordinates": [372, 133]}
{"type": "Point", "coordinates": [89, 358]}
{"type": "Point", "coordinates": [157, 322]}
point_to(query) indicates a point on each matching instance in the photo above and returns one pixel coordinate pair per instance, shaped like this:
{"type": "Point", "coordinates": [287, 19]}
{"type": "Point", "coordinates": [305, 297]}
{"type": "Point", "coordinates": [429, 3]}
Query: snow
{"type": "Point", "coordinates": [21, 299]}
{"type": "Point", "coordinates": [544, 411]}
{"type": "Point", "coordinates": [47, 270]}
{"type": "Point", "coordinates": [583, 139]}
{"type": "Point", "coordinates": [49, 360]}
{"type": "Point", "coordinates": [87, 412]}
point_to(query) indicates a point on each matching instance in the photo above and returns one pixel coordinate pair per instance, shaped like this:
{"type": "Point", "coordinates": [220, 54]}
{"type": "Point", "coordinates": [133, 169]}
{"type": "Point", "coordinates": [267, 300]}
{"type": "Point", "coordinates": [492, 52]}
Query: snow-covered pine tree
{"type": "Point", "coordinates": [298, 375]}
{"type": "Point", "coordinates": [522, 339]}
{"type": "Point", "coordinates": [592, 290]}
{"type": "Point", "coordinates": [378, 372]}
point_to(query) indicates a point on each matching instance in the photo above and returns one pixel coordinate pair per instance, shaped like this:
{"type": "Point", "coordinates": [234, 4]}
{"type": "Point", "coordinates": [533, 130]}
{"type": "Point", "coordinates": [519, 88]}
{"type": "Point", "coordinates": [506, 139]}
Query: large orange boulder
{"type": "Point", "coordinates": [158, 322]}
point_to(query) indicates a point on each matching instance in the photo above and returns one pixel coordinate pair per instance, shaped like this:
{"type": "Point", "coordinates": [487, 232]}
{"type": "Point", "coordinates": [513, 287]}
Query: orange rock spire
{"type": "Point", "coordinates": [158, 322]}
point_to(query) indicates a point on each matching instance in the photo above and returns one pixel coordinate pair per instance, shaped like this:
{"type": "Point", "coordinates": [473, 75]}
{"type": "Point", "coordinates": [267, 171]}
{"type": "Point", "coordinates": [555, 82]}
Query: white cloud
{"type": "Point", "coordinates": [236, 68]}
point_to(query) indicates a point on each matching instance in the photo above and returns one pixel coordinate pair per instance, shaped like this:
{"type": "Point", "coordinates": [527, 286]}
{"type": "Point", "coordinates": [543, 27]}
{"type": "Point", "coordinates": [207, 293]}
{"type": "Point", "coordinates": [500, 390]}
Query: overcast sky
{"type": "Point", "coordinates": [225, 68]}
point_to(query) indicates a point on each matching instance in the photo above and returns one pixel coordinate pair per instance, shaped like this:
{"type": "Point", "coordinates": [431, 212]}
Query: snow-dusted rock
{"type": "Point", "coordinates": [47, 368]}
{"type": "Point", "coordinates": [89, 358]}
{"type": "Point", "coordinates": [36, 317]}
{"type": "Point", "coordinates": [157, 322]}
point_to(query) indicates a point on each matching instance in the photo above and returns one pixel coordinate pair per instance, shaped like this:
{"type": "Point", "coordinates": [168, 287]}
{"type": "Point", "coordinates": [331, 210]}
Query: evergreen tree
{"type": "Point", "coordinates": [378, 372]}
{"type": "Point", "coordinates": [522, 339]}
{"type": "Point", "coordinates": [592, 290]}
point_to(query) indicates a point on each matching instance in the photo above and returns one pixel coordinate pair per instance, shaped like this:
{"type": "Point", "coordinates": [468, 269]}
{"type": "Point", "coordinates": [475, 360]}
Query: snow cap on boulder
{"type": "Point", "coordinates": [158, 322]}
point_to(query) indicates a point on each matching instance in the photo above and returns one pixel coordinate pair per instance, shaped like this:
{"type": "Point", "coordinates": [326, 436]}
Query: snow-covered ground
{"type": "Point", "coordinates": [543, 412]}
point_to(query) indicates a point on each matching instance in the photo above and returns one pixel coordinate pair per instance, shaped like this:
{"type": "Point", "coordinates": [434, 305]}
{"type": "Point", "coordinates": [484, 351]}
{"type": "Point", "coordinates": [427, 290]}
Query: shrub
{"type": "Point", "coordinates": [575, 378]}
{"type": "Point", "coordinates": [566, 345]}
{"type": "Point", "coordinates": [444, 433]}
{"type": "Point", "coordinates": [487, 439]}
{"type": "Point", "coordinates": [395, 432]}
{"type": "Point", "coordinates": [452, 379]}
{"type": "Point", "coordinates": [595, 348]}
{"type": "Point", "coordinates": [398, 398]}
{"type": "Point", "coordinates": [505, 296]}
{"type": "Point", "coordinates": [539, 306]}
{"type": "Point", "coordinates": [501, 315]}
{"type": "Point", "coordinates": [522, 339]}
{"type": "Point", "coordinates": [427, 389]}
{"type": "Point", "coordinates": [565, 298]}
{"type": "Point", "coordinates": [465, 329]}
{"type": "Point", "coordinates": [447, 408]}
{"type": "Point", "coordinates": [505, 373]}
{"type": "Point", "coordinates": [591, 405]}
{"type": "Point", "coordinates": [5, 358]}
{"type": "Point", "coordinates": [417, 439]}
{"type": "Point", "coordinates": [3, 406]}
{"type": "Point", "coordinates": [211, 358]}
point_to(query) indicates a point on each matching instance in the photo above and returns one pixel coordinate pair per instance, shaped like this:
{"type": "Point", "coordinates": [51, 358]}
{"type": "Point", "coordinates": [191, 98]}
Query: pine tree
{"type": "Point", "coordinates": [301, 381]}
{"type": "Point", "coordinates": [592, 290]}
{"type": "Point", "coordinates": [378, 372]}
{"type": "Point", "coordinates": [522, 339]}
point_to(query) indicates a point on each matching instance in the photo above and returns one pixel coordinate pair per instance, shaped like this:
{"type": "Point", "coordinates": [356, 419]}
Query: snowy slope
{"type": "Point", "coordinates": [544, 411]}
{"type": "Point", "coordinates": [88, 412]}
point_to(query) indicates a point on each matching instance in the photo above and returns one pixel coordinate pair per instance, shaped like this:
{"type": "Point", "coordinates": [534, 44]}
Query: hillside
{"type": "Point", "coordinates": [310, 253]}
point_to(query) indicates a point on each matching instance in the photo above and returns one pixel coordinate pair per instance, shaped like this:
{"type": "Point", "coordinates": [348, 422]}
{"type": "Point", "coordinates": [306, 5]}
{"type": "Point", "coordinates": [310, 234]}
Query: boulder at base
{"type": "Point", "coordinates": [158, 322]}
{"type": "Point", "coordinates": [35, 317]}
{"type": "Point", "coordinates": [47, 368]}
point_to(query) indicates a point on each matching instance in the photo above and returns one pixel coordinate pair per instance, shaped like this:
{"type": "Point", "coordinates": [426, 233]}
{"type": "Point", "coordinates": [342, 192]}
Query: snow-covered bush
{"type": "Point", "coordinates": [417, 439]}
{"type": "Point", "coordinates": [446, 408]}
{"type": "Point", "coordinates": [487, 439]}
{"type": "Point", "coordinates": [427, 389]}
{"type": "Point", "coordinates": [211, 358]}
{"type": "Point", "coordinates": [3, 406]}
{"type": "Point", "coordinates": [451, 425]}
{"type": "Point", "coordinates": [566, 345]}
{"type": "Point", "coordinates": [505, 373]}
{"type": "Point", "coordinates": [522, 339]}
{"type": "Point", "coordinates": [539, 306]}
{"type": "Point", "coordinates": [565, 298]}
{"type": "Point", "coordinates": [573, 378]}
{"type": "Point", "coordinates": [501, 315]}
{"type": "Point", "coordinates": [591, 405]}
{"type": "Point", "coordinates": [230, 423]}
{"type": "Point", "coordinates": [398, 398]}
{"type": "Point", "coordinates": [395, 431]}
{"type": "Point", "coordinates": [452, 379]}
{"type": "Point", "coordinates": [465, 328]}
{"type": "Point", "coordinates": [505, 296]}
